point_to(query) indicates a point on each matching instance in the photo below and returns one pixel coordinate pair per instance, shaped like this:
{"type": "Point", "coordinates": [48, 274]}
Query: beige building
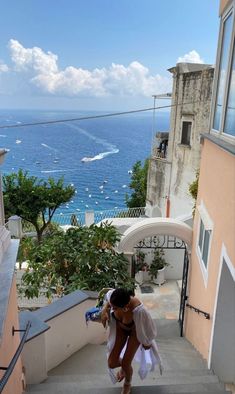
{"type": "Point", "coordinates": [173, 169]}
{"type": "Point", "coordinates": [212, 275]}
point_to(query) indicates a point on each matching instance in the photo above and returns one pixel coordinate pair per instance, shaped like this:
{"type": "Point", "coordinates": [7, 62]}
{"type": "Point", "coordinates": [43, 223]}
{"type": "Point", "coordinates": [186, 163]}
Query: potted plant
{"type": "Point", "coordinates": [141, 268]}
{"type": "Point", "coordinates": [157, 267]}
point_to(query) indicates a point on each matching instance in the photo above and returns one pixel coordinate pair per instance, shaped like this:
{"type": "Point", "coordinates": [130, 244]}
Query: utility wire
{"type": "Point", "coordinates": [92, 116]}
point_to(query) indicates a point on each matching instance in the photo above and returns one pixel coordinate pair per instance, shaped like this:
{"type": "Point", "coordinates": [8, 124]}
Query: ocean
{"type": "Point", "coordinates": [95, 156]}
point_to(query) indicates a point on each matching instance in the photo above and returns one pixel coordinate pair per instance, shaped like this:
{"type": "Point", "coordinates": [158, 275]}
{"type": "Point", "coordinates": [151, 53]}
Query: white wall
{"type": "Point", "coordinates": [34, 359]}
{"type": "Point", "coordinates": [223, 351]}
{"type": "Point", "coordinates": [67, 334]}
{"type": "Point", "coordinates": [175, 257]}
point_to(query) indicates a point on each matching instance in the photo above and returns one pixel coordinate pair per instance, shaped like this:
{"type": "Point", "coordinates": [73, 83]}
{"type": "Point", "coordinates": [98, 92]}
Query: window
{"type": "Point", "coordinates": [186, 133]}
{"type": "Point", "coordinates": [224, 106]}
{"type": "Point", "coordinates": [203, 243]}
{"type": "Point", "coordinates": [222, 72]}
{"type": "Point", "coordinates": [204, 239]}
{"type": "Point", "coordinates": [229, 126]}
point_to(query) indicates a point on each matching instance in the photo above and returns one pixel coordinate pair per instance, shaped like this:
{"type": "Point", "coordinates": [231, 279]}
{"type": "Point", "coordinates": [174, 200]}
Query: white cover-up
{"type": "Point", "coordinates": [145, 332]}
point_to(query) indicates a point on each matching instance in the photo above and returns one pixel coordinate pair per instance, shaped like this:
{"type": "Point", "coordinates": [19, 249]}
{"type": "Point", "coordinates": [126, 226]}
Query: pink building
{"type": "Point", "coordinates": [211, 285]}
{"type": "Point", "coordinates": [11, 373]}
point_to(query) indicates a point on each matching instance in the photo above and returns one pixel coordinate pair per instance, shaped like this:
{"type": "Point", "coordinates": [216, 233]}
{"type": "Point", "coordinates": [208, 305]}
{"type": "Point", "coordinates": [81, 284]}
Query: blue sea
{"type": "Point", "coordinates": [95, 156]}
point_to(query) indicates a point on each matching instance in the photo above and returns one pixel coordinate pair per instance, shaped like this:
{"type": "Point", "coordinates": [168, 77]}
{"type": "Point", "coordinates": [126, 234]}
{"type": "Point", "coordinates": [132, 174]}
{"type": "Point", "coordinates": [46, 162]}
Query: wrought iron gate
{"type": "Point", "coordinates": [169, 242]}
{"type": "Point", "coordinates": [183, 297]}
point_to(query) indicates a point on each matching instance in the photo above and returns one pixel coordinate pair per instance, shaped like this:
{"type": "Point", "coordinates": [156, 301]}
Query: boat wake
{"type": "Point", "coordinates": [111, 149]}
{"type": "Point", "coordinates": [48, 147]}
{"type": "Point", "coordinates": [100, 156]}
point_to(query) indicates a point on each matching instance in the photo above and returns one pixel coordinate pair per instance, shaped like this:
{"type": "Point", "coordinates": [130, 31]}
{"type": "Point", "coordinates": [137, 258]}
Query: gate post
{"type": "Point", "coordinates": [89, 218]}
{"type": "Point", "coordinates": [15, 226]}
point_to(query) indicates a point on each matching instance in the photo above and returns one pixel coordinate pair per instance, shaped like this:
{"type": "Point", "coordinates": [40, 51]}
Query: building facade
{"type": "Point", "coordinates": [171, 173]}
{"type": "Point", "coordinates": [9, 320]}
{"type": "Point", "coordinates": [212, 275]}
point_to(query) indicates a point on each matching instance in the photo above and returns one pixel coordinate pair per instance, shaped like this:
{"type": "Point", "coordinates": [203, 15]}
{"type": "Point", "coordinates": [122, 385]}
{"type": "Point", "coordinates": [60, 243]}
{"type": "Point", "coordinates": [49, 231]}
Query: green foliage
{"type": "Point", "coordinates": [138, 184]}
{"type": "Point", "coordinates": [26, 245]}
{"type": "Point", "coordinates": [157, 263]}
{"type": "Point", "coordinates": [34, 200]}
{"type": "Point", "coordinates": [193, 190]}
{"type": "Point", "coordinates": [81, 258]}
{"type": "Point", "coordinates": [140, 264]}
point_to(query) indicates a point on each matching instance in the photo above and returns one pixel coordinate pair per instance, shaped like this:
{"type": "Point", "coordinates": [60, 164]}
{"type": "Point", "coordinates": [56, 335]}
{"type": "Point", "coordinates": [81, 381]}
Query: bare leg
{"type": "Point", "coordinates": [131, 349]}
{"type": "Point", "coordinates": [121, 338]}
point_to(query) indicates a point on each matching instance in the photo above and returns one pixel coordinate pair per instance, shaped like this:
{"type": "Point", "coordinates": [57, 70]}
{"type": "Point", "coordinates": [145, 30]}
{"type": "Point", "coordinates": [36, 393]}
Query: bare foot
{"type": "Point", "coordinates": [120, 375]}
{"type": "Point", "coordinates": [126, 388]}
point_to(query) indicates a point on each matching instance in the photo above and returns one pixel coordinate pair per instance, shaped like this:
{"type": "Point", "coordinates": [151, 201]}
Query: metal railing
{"type": "Point", "coordinates": [159, 154]}
{"type": "Point", "coordinates": [27, 227]}
{"type": "Point", "coordinates": [14, 360]}
{"type": "Point", "coordinates": [78, 218]}
{"type": "Point", "coordinates": [206, 315]}
{"type": "Point", "coordinates": [119, 213]}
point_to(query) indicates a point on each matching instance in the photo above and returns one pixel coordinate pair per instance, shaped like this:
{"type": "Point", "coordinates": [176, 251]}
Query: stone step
{"type": "Point", "coordinates": [91, 381]}
{"type": "Point", "coordinates": [200, 388]}
{"type": "Point", "coordinates": [159, 390]}
{"type": "Point", "coordinates": [167, 328]}
{"type": "Point", "coordinates": [152, 376]}
{"type": "Point", "coordinates": [92, 358]}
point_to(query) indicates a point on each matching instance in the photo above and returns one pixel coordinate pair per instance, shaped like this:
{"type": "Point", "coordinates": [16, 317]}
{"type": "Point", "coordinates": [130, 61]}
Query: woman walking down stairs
{"type": "Point", "coordinates": [184, 370]}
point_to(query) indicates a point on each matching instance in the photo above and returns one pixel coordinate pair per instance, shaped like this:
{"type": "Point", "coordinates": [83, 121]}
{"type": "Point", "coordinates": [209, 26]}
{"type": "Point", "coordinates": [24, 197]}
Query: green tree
{"type": "Point", "coordinates": [34, 200]}
{"type": "Point", "coordinates": [138, 184]}
{"type": "Point", "coordinates": [81, 258]}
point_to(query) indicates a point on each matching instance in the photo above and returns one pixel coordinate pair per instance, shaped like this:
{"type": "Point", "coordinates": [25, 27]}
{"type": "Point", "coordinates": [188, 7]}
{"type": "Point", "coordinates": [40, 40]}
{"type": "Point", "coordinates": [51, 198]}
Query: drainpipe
{"type": "Point", "coordinates": [168, 206]}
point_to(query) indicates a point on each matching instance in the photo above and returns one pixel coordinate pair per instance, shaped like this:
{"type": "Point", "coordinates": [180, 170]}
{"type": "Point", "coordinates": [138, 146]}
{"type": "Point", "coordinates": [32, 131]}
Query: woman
{"type": "Point", "coordinates": [130, 326]}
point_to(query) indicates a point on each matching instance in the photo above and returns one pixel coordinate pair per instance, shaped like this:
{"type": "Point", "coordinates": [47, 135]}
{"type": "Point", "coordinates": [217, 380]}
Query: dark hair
{"type": "Point", "coordinates": [121, 297]}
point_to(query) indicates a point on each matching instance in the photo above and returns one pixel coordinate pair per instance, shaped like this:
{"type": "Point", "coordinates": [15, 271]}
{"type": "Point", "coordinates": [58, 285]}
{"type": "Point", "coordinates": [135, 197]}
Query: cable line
{"type": "Point", "coordinates": [91, 117]}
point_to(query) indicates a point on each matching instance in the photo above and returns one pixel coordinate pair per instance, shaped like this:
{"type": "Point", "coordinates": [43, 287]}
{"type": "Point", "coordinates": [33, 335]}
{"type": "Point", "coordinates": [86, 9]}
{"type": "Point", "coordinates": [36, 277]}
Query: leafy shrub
{"type": "Point", "coordinates": [81, 258]}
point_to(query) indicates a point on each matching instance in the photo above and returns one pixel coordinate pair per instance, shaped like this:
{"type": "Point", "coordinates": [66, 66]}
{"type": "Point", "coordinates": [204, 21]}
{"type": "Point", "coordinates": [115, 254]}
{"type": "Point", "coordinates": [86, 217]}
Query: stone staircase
{"type": "Point", "coordinates": [184, 371]}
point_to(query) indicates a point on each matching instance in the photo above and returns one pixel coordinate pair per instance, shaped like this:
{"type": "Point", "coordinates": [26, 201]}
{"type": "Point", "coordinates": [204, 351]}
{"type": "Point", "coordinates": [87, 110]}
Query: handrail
{"type": "Point", "coordinates": [206, 315]}
{"type": "Point", "coordinates": [14, 360]}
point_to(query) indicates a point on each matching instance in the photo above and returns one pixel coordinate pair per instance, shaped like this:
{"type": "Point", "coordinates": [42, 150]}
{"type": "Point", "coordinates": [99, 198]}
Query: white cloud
{"type": "Point", "coordinates": [32, 58]}
{"type": "Point", "coordinates": [191, 57]}
{"type": "Point", "coordinates": [3, 67]}
{"type": "Point", "coordinates": [41, 71]}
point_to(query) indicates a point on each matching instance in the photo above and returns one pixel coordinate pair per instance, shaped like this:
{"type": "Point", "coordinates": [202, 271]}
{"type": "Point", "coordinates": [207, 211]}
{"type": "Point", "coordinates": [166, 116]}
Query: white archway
{"type": "Point", "coordinates": [151, 227]}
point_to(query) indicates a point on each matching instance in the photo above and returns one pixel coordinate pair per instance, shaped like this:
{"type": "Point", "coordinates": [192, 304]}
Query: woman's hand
{"type": "Point", "coordinates": [105, 315]}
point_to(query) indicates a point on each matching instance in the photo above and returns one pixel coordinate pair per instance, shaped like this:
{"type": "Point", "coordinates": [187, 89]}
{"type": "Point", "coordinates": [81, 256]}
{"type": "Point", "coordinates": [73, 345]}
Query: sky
{"type": "Point", "coordinates": [99, 54]}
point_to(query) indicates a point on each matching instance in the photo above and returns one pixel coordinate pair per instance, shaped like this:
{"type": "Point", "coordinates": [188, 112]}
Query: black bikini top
{"type": "Point", "coordinates": [129, 325]}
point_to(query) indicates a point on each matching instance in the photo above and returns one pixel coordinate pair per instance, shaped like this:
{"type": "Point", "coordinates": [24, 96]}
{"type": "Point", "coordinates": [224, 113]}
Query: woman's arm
{"type": "Point", "coordinates": [105, 314]}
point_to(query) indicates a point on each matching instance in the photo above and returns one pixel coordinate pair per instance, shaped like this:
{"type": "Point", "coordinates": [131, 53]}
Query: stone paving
{"type": "Point", "coordinates": [164, 302]}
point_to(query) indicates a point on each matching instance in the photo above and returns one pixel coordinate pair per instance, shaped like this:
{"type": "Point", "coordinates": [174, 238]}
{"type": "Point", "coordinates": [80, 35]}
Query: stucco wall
{"type": "Point", "coordinates": [67, 334]}
{"type": "Point", "coordinates": [172, 177]}
{"type": "Point", "coordinates": [217, 191]}
{"type": "Point", "coordinates": [10, 343]}
{"type": "Point", "coordinates": [156, 183]}
{"type": "Point", "coordinates": [34, 359]}
{"type": "Point", "coordinates": [70, 331]}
